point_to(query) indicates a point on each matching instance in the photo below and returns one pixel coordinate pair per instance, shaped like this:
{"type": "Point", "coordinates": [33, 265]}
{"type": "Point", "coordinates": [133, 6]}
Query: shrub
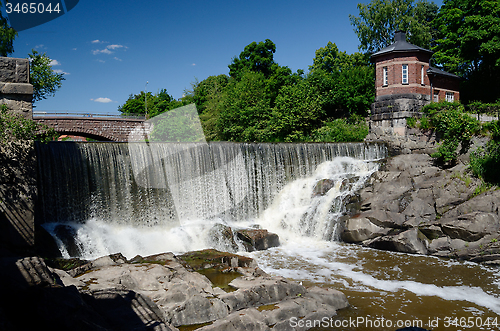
{"type": "Point", "coordinates": [411, 122]}
{"type": "Point", "coordinates": [485, 162]}
{"type": "Point", "coordinates": [14, 127]}
{"type": "Point", "coordinates": [342, 130]}
{"type": "Point", "coordinates": [456, 128]}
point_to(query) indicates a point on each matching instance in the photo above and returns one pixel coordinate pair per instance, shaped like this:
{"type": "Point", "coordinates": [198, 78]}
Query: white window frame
{"type": "Point", "coordinates": [422, 76]}
{"type": "Point", "coordinates": [385, 76]}
{"type": "Point", "coordinates": [450, 96]}
{"type": "Point", "coordinates": [404, 74]}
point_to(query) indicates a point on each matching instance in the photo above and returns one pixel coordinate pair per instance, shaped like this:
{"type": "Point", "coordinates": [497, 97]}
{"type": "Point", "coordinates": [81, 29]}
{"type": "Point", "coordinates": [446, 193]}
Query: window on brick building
{"type": "Point", "coordinates": [422, 81]}
{"type": "Point", "coordinates": [436, 96]}
{"type": "Point", "coordinates": [405, 74]}
{"type": "Point", "coordinates": [385, 76]}
{"type": "Point", "coordinates": [450, 96]}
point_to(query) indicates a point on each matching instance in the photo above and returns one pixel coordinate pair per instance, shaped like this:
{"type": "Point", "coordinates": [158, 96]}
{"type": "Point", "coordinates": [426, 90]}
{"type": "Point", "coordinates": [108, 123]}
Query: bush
{"type": "Point", "coordinates": [14, 127]}
{"type": "Point", "coordinates": [485, 162]}
{"type": "Point", "coordinates": [342, 130]}
{"type": "Point", "coordinates": [411, 122]}
{"type": "Point", "coordinates": [456, 128]}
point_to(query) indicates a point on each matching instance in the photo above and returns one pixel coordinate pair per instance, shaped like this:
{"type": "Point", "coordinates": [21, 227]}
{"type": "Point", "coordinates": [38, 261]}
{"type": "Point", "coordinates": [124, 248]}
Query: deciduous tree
{"type": "Point", "coordinates": [44, 80]}
{"type": "Point", "coordinates": [468, 45]}
{"type": "Point", "coordinates": [380, 19]}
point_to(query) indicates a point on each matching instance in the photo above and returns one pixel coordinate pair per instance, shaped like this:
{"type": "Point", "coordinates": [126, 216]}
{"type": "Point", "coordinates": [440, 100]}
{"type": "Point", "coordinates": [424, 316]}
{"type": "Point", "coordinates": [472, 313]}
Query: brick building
{"type": "Point", "coordinates": [405, 81]}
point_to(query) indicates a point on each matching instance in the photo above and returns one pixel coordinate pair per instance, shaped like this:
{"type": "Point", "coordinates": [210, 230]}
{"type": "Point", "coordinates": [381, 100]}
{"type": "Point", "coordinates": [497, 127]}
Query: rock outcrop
{"type": "Point", "coordinates": [159, 292]}
{"type": "Point", "coordinates": [410, 205]}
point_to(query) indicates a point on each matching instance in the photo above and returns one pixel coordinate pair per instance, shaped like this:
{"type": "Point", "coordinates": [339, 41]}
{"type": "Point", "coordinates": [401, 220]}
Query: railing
{"type": "Point", "coordinates": [121, 116]}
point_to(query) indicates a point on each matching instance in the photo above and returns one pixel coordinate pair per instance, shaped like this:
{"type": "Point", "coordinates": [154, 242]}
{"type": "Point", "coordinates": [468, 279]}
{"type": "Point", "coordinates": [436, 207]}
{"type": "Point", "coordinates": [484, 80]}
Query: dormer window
{"type": "Point", "coordinates": [404, 78]}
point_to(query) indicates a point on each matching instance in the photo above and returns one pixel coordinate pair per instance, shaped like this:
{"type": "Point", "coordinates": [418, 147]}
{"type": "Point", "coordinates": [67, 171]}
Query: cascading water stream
{"type": "Point", "coordinates": [148, 198]}
{"type": "Point", "coordinates": [102, 198]}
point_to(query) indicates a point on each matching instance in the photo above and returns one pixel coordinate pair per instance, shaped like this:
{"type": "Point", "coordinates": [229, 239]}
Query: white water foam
{"type": "Point", "coordinates": [321, 255]}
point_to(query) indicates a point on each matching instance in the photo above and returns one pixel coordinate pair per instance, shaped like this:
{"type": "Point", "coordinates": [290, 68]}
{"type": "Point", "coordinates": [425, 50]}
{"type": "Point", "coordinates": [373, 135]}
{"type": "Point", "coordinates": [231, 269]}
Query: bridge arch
{"type": "Point", "coordinates": [91, 126]}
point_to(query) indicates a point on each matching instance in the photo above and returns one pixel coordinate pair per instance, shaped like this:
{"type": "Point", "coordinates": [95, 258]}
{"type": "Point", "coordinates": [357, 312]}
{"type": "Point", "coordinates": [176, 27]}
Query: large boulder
{"type": "Point", "coordinates": [409, 241]}
{"type": "Point", "coordinates": [472, 226]}
{"type": "Point", "coordinates": [360, 229]}
{"type": "Point", "coordinates": [257, 239]}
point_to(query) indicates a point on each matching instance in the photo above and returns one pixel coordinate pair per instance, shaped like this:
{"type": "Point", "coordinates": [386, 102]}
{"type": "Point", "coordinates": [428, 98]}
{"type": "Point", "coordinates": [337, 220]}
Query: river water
{"type": "Point", "coordinates": [103, 198]}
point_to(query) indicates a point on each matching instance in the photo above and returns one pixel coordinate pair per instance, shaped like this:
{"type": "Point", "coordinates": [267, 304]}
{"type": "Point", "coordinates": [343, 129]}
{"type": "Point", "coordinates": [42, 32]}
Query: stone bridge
{"type": "Point", "coordinates": [98, 127]}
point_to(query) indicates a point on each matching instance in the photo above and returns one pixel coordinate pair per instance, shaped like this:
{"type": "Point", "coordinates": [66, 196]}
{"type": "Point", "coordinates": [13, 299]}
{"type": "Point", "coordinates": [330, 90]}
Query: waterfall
{"type": "Point", "coordinates": [141, 198]}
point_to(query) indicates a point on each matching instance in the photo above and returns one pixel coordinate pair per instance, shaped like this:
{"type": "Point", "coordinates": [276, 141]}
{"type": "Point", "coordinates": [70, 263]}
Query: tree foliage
{"type": "Point", "coordinates": [256, 57]}
{"type": "Point", "coordinates": [157, 103]}
{"type": "Point", "coordinates": [7, 36]}
{"type": "Point", "coordinates": [380, 19]}
{"type": "Point", "coordinates": [44, 80]}
{"type": "Point", "coordinates": [468, 45]}
{"type": "Point", "coordinates": [456, 127]}
{"type": "Point", "coordinates": [16, 128]}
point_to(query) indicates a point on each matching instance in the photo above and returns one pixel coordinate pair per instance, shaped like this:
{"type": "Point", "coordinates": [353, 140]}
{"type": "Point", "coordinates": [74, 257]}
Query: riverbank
{"type": "Point", "coordinates": [411, 205]}
{"type": "Point", "coordinates": [206, 289]}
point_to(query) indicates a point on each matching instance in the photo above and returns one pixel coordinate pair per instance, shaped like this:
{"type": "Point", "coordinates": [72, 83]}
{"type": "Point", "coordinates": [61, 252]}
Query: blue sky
{"type": "Point", "coordinates": [110, 49]}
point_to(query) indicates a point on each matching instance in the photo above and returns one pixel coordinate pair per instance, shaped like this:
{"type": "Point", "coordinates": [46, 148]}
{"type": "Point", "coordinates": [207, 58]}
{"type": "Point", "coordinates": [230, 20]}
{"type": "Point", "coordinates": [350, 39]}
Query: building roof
{"type": "Point", "coordinates": [400, 45]}
{"type": "Point", "coordinates": [439, 72]}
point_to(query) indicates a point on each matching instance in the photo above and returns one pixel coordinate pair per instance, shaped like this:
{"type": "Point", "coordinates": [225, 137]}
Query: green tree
{"type": "Point", "coordinates": [297, 112]}
{"type": "Point", "coordinates": [468, 45]}
{"type": "Point", "coordinates": [7, 36]}
{"type": "Point", "coordinates": [380, 19]}
{"type": "Point", "coordinates": [157, 103]}
{"type": "Point", "coordinates": [208, 91]}
{"type": "Point", "coordinates": [330, 59]}
{"type": "Point", "coordinates": [256, 57]}
{"type": "Point", "coordinates": [44, 80]}
{"type": "Point", "coordinates": [245, 109]}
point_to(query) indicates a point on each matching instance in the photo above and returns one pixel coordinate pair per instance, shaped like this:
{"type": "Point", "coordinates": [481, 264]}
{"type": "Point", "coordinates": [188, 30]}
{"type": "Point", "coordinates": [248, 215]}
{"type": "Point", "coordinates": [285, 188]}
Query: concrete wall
{"type": "Point", "coordinates": [15, 88]}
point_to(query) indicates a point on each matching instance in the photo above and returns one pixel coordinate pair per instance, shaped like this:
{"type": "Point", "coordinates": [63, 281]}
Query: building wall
{"type": "Point", "coordinates": [442, 85]}
{"type": "Point", "coordinates": [394, 64]}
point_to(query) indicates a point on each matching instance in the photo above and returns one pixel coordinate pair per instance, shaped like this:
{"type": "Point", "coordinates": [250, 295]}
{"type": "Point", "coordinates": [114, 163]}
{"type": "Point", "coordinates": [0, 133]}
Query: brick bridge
{"type": "Point", "coordinates": [98, 127]}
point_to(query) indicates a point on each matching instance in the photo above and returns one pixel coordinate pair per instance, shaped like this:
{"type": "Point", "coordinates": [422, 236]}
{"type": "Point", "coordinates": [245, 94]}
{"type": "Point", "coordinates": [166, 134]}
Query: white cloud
{"type": "Point", "coordinates": [102, 61]}
{"type": "Point", "coordinates": [59, 71]}
{"type": "Point", "coordinates": [114, 46]}
{"type": "Point", "coordinates": [117, 59]}
{"type": "Point", "coordinates": [54, 63]}
{"type": "Point", "coordinates": [102, 100]}
{"type": "Point", "coordinates": [193, 64]}
{"type": "Point", "coordinates": [99, 51]}
{"type": "Point", "coordinates": [97, 41]}
{"type": "Point", "coordinates": [109, 49]}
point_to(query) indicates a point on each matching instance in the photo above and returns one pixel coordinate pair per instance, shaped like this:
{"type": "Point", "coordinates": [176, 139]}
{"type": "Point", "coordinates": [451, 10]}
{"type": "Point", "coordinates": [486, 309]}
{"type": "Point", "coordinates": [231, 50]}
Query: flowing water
{"type": "Point", "coordinates": [103, 198]}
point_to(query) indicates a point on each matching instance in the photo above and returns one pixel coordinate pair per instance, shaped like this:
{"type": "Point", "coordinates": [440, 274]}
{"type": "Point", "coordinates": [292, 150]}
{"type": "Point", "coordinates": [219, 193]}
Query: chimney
{"type": "Point", "coordinates": [399, 36]}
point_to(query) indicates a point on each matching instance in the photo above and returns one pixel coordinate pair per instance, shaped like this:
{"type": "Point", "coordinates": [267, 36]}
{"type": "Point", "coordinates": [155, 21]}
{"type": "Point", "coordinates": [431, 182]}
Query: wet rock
{"type": "Point", "coordinates": [360, 229]}
{"type": "Point", "coordinates": [254, 292]}
{"type": "Point", "coordinates": [471, 227]}
{"type": "Point", "coordinates": [104, 261]}
{"type": "Point", "coordinates": [211, 258]}
{"type": "Point", "coordinates": [189, 298]}
{"type": "Point", "coordinates": [257, 240]}
{"type": "Point", "coordinates": [409, 241]}
{"type": "Point", "coordinates": [67, 235]}
{"type": "Point", "coordinates": [222, 238]}
{"type": "Point", "coordinates": [322, 187]}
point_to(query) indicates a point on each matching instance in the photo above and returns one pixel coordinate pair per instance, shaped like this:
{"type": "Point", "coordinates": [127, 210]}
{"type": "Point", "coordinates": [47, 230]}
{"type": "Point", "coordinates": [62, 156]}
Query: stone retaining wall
{"type": "Point", "coordinates": [15, 88]}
